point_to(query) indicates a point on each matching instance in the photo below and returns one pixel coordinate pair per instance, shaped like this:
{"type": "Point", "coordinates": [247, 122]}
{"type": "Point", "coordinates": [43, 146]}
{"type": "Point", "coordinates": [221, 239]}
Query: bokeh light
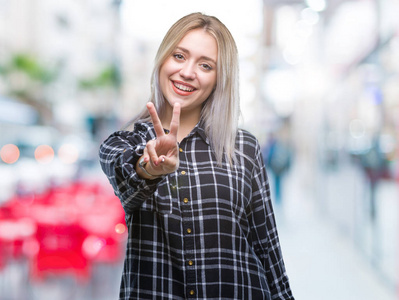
{"type": "Point", "coordinates": [44, 154]}
{"type": "Point", "coordinates": [9, 153]}
{"type": "Point", "coordinates": [92, 245]}
{"type": "Point", "coordinates": [120, 228]}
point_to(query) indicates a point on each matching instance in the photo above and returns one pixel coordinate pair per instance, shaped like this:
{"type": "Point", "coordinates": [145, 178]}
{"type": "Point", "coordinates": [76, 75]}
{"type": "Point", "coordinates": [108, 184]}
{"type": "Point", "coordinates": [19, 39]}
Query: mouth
{"type": "Point", "coordinates": [182, 88]}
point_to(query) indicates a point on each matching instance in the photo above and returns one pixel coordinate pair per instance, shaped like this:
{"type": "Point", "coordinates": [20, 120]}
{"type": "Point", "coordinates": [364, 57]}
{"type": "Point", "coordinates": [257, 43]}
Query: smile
{"type": "Point", "coordinates": [183, 87]}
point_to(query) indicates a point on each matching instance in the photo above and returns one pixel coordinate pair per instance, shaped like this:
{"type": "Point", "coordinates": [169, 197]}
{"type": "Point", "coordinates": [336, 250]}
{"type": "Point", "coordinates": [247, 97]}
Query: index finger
{"type": "Point", "coordinates": [175, 122]}
{"type": "Point", "coordinates": [155, 120]}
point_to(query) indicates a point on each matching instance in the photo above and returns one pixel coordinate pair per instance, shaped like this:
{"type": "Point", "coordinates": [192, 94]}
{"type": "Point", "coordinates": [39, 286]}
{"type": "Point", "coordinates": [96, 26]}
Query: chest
{"type": "Point", "coordinates": [203, 188]}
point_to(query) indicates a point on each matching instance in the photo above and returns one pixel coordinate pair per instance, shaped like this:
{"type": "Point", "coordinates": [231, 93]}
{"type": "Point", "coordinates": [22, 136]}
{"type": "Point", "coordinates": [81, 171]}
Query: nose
{"type": "Point", "coordinates": [188, 71]}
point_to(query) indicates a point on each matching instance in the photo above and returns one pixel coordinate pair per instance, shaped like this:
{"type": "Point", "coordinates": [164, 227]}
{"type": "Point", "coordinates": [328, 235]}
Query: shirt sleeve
{"type": "Point", "coordinates": [119, 154]}
{"type": "Point", "coordinates": [264, 232]}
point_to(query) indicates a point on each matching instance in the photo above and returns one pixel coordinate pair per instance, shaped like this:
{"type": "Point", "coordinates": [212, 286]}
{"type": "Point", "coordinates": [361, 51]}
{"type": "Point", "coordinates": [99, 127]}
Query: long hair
{"type": "Point", "coordinates": [221, 111]}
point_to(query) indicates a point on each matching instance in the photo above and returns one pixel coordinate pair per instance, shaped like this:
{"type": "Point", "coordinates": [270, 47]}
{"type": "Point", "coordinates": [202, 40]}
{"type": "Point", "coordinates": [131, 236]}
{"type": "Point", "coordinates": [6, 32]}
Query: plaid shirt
{"type": "Point", "coordinates": [203, 232]}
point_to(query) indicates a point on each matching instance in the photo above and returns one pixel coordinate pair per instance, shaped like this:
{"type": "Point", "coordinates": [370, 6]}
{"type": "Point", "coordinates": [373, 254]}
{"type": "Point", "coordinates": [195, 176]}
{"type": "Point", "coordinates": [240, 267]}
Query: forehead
{"type": "Point", "coordinates": [199, 40]}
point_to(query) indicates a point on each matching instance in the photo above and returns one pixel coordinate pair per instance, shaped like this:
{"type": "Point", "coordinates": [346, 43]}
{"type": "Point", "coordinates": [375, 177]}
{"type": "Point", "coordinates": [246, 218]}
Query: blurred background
{"type": "Point", "coordinates": [319, 89]}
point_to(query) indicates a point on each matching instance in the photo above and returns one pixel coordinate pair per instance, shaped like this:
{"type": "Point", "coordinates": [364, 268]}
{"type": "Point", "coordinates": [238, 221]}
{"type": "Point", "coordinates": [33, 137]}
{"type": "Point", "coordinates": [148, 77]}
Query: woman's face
{"type": "Point", "coordinates": [188, 76]}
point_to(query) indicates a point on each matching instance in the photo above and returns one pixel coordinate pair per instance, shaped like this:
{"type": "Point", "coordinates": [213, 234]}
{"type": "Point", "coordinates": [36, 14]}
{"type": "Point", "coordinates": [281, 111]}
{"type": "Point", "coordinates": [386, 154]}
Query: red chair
{"type": "Point", "coordinates": [60, 252]}
{"type": "Point", "coordinates": [14, 233]}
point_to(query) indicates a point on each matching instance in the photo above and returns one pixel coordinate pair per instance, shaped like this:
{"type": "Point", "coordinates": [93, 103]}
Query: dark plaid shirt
{"type": "Point", "coordinates": [203, 232]}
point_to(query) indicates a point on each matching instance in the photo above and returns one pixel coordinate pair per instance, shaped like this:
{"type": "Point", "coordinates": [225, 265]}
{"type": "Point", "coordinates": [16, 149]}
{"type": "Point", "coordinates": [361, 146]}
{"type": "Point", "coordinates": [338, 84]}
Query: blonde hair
{"type": "Point", "coordinates": [221, 110]}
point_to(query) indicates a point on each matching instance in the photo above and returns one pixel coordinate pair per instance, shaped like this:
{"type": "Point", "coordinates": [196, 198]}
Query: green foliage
{"type": "Point", "coordinates": [108, 77]}
{"type": "Point", "coordinates": [36, 78]}
{"type": "Point", "coordinates": [29, 65]}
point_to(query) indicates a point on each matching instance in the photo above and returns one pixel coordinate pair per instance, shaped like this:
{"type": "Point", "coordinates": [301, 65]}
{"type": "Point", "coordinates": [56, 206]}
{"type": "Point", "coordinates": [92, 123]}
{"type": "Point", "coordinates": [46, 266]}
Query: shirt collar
{"type": "Point", "coordinates": [199, 129]}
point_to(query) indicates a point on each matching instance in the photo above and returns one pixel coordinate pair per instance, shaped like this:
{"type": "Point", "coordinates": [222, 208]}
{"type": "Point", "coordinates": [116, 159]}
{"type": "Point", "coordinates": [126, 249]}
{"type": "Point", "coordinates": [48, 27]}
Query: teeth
{"type": "Point", "coordinates": [183, 87]}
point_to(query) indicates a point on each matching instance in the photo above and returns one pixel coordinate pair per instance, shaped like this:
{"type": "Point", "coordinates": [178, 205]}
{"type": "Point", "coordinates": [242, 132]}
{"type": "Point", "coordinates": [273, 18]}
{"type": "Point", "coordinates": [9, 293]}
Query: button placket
{"type": "Point", "coordinates": [187, 225]}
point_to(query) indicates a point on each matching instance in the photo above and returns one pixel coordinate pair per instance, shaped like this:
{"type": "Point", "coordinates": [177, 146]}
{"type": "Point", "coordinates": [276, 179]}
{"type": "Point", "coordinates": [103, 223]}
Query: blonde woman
{"type": "Point", "coordinates": [193, 185]}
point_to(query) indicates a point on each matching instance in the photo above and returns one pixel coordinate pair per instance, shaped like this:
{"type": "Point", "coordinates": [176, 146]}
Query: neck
{"type": "Point", "coordinates": [188, 120]}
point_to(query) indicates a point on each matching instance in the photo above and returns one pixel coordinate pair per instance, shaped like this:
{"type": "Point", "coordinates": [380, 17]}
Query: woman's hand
{"type": "Point", "coordinates": [162, 154]}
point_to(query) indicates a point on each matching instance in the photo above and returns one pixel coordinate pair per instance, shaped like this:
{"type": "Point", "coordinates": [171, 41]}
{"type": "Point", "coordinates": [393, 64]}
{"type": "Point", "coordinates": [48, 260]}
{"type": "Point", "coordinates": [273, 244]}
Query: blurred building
{"type": "Point", "coordinates": [331, 68]}
{"type": "Point", "coordinates": [77, 42]}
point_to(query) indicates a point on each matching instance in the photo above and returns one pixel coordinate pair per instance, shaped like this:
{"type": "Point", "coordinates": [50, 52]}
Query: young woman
{"type": "Point", "coordinates": [193, 185]}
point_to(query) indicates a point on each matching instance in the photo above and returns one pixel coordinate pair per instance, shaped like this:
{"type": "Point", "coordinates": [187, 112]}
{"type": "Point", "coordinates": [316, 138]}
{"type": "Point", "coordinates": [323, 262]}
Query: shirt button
{"type": "Point", "coordinates": [183, 172]}
{"type": "Point", "coordinates": [180, 149]}
{"type": "Point", "coordinates": [190, 263]}
{"type": "Point", "coordinates": [188, 230]}
{"type": "Point", "coordinates": [185, 200]}
{"type": "Point", "coordinates": [192, 292]}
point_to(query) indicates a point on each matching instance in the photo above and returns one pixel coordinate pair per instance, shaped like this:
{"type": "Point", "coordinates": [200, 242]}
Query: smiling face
{"type": "Point", "coordinates": [188, 76]}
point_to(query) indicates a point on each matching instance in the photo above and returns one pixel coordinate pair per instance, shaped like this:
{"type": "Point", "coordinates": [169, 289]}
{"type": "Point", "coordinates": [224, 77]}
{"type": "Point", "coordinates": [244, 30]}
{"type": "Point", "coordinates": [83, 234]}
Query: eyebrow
{"type": "Point", "coordinates": [202, 57]}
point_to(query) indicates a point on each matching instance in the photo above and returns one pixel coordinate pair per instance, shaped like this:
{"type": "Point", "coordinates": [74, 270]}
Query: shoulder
{"type": "Point", "coordinates": [247, 147]}
{"type": "Point", "coordinates": [246, 139]}
{"type": "Point", "coordinates": [146, 129]}
{"type": "Point", "coordinates": [141, 131]}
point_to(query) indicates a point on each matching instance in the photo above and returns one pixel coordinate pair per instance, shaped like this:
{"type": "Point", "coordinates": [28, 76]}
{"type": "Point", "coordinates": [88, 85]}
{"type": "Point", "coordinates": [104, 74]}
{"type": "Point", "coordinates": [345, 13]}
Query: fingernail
{"type": "Point", "coordinates": [163, 159]}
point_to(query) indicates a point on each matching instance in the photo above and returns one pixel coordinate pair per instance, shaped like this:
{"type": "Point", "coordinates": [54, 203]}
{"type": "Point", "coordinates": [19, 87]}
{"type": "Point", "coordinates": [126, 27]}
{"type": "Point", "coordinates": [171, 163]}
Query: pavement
{"type": "Point", "coordinates": [324, 260]}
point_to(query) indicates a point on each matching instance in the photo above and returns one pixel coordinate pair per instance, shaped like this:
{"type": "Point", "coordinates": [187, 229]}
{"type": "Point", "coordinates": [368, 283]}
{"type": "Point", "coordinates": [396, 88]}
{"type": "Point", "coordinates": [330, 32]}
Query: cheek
{"type": "Point", "coordinates": [169, 67]}
{"type": "Point", "coordinates": [163, 71]}
{"type": "Point", "coordinates": [163, 78]}
{"type": "Point", "coordinates": [212, 83]}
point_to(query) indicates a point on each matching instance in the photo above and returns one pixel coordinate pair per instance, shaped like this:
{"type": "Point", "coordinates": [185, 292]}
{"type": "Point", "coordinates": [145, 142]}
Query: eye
{"type": "Point", "coordinates": [178, 56]}
{"type": "Point", "coordinates": [206, 67]}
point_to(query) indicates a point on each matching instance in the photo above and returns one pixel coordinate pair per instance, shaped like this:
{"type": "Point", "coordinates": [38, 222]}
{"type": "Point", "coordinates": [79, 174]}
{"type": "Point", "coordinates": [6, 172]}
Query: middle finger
{"type": "Point", "coordinates": [175, 122]}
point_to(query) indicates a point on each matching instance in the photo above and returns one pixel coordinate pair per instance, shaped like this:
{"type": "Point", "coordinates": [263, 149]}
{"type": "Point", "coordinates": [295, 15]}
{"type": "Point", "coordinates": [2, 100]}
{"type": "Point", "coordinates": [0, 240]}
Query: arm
{"type": "Point", "coordinates": [120, 154]}
{"type": "Point", "coordinates": [264, 232]}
